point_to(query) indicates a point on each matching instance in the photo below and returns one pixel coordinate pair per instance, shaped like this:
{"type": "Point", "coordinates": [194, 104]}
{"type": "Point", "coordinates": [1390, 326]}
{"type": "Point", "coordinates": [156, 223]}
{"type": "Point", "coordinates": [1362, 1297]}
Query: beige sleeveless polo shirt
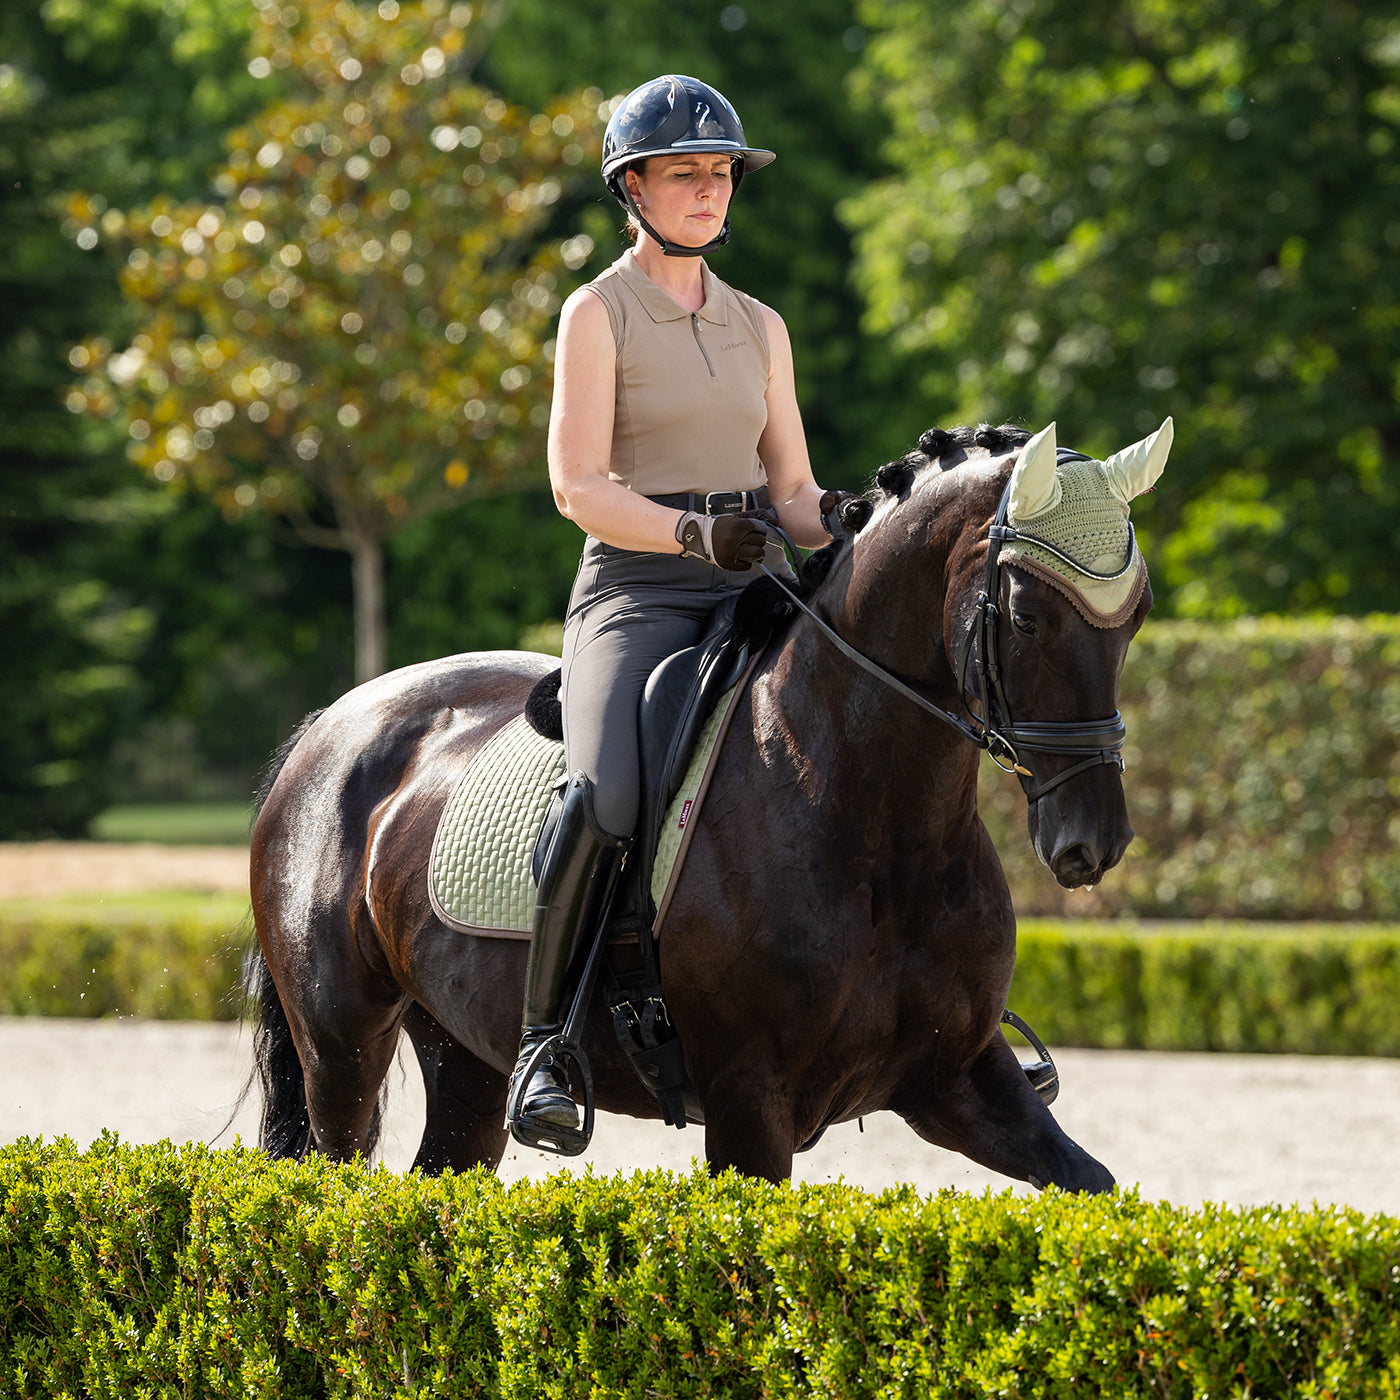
{"type": "Point", "coordinates": [690, 404]}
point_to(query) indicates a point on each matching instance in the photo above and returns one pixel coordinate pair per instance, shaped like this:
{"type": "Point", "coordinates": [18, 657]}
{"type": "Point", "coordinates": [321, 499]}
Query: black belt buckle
{"type": "Point", "coordinates": [727, 502]}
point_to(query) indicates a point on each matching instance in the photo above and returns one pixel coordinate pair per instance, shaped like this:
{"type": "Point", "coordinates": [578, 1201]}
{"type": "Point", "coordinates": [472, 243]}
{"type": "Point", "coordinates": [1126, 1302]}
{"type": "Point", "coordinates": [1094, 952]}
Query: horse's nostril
{"type": "Point", "coordinates": [1076, 865]}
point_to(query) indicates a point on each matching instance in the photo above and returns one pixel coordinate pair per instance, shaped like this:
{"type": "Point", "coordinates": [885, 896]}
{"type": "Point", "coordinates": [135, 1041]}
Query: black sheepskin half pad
{"type": "Point", "coordinates": [543, 712]}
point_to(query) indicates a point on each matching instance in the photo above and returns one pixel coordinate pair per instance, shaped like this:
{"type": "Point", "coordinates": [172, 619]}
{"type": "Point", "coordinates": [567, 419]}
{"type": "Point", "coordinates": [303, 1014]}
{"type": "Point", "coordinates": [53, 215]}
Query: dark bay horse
{"type": "Point", "coordinates": [842, 937]}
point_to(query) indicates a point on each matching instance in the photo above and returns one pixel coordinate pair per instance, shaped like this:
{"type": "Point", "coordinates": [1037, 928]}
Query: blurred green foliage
{"type": "Point", "coordinates": [1104, 213]}
{"type": "Point", "coordinates": [1263, 777]}
{"type": "Point", "coordinates": [1303, 989]}
{"type": "Point", "coordinates": [98, 97]}
{"type": "Point", "coordinates": [354, 330]}
{"type": "Point", "coordinates": [1246, 988]}
{"type": "Point", "coordinates": [168, 956]}
{"type": "Point", "coordinates": [1098, 214]}
{"type": "Point", "coordinates": [177, 823]}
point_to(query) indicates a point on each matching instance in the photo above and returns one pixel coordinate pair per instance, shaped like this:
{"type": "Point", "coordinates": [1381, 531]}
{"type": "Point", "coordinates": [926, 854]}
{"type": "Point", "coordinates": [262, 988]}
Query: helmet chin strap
{"type": "Point", "coordinates": [675, 250]}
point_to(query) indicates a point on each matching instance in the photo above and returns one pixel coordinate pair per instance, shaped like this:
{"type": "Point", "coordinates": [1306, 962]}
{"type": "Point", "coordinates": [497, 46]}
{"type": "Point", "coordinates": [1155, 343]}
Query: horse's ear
{"type": "Point", "coordinates": [1135, 469]}
{"type": "Point", "coordinates": [1035, 488]}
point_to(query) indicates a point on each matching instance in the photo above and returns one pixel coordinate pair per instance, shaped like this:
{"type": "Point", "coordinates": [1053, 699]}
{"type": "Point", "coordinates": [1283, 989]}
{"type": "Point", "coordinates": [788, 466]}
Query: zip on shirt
{"type": "Point", "coordinates": [695, 326]}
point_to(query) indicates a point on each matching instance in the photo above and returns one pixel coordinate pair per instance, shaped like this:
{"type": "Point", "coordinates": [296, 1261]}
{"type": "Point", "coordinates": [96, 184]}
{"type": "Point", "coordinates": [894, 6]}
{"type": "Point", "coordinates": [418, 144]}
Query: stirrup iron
{"type": "Point", "coordinates": [1044, 1077]}
{"type": "Point", "coordinates": [551, 1137]}
{"type": "Point", "coordinates": [566, 1047]}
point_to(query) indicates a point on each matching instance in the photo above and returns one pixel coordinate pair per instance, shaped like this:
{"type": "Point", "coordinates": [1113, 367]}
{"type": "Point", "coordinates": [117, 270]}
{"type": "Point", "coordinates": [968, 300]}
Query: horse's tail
{"type": "Point", "coordinates": [285, 1129]}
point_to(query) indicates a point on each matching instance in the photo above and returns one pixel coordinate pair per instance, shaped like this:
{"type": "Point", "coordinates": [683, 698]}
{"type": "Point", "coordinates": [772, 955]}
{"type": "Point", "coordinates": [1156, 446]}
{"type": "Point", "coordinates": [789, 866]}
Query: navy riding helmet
{"type": "Point", "coordinates": [672, 116]}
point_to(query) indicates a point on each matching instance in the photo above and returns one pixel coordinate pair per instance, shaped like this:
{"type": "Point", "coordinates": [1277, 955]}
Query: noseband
{"type": "Point", "coordinates": [1092, 742]}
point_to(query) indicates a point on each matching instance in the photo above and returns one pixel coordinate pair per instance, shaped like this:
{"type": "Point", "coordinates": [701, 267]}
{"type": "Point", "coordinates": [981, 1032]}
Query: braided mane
{"type": "Point", "coordinates": [895, 478]}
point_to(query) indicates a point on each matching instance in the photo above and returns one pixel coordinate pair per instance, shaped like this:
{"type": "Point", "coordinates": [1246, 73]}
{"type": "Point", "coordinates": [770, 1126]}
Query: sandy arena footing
{"type": "Point", "coordinates": [1238, 1129]}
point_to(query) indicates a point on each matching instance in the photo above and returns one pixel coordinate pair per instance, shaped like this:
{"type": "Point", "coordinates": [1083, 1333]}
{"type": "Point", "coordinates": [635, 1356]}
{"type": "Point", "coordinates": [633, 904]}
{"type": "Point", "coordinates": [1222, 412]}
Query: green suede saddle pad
{"type": "Point", "coordinates": [479, 877]}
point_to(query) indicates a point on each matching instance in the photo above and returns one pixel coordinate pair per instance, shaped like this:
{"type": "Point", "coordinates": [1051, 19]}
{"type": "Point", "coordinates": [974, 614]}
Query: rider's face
{"type": "Point", "coordinates": [684, 198]}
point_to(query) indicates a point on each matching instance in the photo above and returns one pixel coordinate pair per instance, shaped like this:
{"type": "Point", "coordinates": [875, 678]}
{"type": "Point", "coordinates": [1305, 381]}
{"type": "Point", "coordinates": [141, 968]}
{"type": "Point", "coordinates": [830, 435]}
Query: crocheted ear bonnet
{"type": "Point", "coordinates": [1080, 509]}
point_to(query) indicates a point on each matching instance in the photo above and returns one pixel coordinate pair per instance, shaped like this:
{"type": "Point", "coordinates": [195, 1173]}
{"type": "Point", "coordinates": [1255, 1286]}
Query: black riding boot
{"type": "Point", "coordinates": [574, 885]}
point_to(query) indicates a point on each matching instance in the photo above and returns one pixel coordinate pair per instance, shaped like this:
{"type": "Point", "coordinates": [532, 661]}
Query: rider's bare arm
{"type": "Point", "coordinates": [783, 446]}
{"type": "Point", "coordinates": [580, 438]}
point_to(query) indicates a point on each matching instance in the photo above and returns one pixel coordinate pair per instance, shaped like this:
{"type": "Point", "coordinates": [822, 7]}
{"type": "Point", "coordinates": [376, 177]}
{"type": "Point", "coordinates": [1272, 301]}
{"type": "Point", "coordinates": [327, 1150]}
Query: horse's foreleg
{"type": "Point", "coordinates": [466, 1101]}
{"type": "Point", "coordinates": [748, 1126]}
{"type": "Point", "coordinates": [991, 1114]}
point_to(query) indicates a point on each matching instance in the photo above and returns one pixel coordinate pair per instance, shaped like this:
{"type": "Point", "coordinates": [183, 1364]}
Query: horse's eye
{"type": "Point", "coordinates": [1023, 622]}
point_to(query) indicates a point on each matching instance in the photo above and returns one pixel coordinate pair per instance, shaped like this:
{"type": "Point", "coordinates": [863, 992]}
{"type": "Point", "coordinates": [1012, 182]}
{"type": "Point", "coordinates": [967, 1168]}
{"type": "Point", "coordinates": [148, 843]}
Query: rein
{"type": "Point", "coordinates": [1093, 741]}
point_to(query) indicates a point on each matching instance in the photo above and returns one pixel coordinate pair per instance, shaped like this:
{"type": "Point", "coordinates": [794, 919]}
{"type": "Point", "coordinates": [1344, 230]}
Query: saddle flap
{"type": "Point", "coordinates": [679, 697]}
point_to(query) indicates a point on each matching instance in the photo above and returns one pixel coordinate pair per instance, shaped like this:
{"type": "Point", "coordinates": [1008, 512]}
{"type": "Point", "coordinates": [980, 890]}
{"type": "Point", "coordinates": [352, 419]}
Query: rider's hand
{"type": "Point", "coordinates": [842, 513]}
{"type": "Point", "coordinates": [731, 542]}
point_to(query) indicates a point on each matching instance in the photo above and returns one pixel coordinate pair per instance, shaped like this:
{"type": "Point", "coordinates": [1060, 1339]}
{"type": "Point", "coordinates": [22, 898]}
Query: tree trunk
{"type": "Point", "coordinates": [367, 565]}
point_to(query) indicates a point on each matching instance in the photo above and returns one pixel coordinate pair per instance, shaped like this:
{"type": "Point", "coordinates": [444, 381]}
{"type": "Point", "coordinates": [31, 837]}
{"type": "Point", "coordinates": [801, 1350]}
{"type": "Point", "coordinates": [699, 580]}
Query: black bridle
{"type": "Point", "coordinates": [1092, 742]}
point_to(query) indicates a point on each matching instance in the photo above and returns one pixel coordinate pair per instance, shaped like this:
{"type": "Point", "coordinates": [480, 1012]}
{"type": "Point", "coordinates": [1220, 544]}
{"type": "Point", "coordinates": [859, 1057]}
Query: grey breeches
{"type": "Point", "coordinates": [627, 613]}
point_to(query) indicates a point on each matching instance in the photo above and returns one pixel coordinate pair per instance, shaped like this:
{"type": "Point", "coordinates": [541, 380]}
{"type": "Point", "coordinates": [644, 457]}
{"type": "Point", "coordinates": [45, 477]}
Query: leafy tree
{"type": "Point", "coordinates": [112, 95]}
{"type": "Point", "coordinates": [354, 332]}
{"type": "Point", "coordinates": [1103, 213]}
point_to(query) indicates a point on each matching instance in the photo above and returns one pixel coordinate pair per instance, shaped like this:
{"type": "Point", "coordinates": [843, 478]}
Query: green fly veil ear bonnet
{"type": "Point", "coordinates": [1070, 516]}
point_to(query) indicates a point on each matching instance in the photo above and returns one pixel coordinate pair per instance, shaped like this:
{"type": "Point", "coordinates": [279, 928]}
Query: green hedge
{"type": "Point", "coordinates": [187, 1272]}
{"type": "Point", "coordinates": [1263, 777]}
{"type": "Point", "coordinates": [1302, 989]}
{"type": "Point", "coordinates": [1287, 988]}
{"type": "Point", "coordinates": [174, 957]}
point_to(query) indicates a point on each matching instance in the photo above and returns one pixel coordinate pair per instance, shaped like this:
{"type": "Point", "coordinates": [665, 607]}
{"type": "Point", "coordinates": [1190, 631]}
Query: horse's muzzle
{"type": "Point", "coordinates": [1081, 840]}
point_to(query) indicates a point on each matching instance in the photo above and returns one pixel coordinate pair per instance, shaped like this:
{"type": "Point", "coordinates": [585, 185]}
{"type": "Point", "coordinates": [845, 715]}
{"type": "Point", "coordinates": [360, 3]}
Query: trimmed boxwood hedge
{"type": "Point", "coordinates": [1301, 989]}
{"type": "Point", "coordinates": [168, 959]}
{"type": "Point", "coordinates": [1313, 989]}
{"type": "Point", "coordinates": [164, 1271]}
{"type": "Point", "coordinates": [1263, 777]}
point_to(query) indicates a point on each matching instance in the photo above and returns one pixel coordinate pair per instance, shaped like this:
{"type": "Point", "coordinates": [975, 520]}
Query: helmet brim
{"type": "Point", "coordinates": [752, 156]}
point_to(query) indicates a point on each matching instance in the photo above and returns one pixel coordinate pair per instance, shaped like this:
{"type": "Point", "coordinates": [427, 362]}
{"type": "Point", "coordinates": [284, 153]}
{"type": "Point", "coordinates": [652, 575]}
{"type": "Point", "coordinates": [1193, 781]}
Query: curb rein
{"type": "Point", "coordinates": [1093, 742]}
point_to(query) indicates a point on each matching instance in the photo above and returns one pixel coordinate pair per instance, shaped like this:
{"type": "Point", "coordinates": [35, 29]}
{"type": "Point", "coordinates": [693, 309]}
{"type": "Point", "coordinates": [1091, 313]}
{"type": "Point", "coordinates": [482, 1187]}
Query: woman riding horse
{"type": "Point", "coordinates": [674, 430]}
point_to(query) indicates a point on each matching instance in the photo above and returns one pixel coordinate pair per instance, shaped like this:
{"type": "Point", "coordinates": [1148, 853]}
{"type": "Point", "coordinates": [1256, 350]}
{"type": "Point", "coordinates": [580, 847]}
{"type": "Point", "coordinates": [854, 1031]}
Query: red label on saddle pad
{"type": "Point", "coordinates": [685, 813]}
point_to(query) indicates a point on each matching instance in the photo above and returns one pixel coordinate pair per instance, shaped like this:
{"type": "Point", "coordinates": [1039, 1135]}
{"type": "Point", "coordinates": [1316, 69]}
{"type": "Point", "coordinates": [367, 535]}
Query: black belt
{"type": "Point", "coordinates": [716, 502]}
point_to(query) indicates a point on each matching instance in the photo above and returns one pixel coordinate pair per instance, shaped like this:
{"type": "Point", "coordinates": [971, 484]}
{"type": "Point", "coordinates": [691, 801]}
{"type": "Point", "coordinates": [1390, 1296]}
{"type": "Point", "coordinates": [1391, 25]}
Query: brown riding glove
{"type": "Point", "coordinates": [731, 542]}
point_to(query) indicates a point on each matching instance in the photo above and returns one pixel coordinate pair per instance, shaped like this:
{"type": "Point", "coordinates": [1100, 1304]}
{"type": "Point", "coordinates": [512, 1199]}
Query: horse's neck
{"type": "Point", "coordinates": [845, 742]}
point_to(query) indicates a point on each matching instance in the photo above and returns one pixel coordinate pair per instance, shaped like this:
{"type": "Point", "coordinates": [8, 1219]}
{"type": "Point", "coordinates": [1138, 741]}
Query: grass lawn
{"type": "Point", "coordinates": [176, 823]}
{"type": "Point", "coordinates": [144, 906]}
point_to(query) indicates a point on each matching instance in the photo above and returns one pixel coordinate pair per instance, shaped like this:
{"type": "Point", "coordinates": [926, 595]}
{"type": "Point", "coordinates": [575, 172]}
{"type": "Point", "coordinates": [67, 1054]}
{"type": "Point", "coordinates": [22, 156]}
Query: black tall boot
{"type": "Point", "coordinates": [574, 886]}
